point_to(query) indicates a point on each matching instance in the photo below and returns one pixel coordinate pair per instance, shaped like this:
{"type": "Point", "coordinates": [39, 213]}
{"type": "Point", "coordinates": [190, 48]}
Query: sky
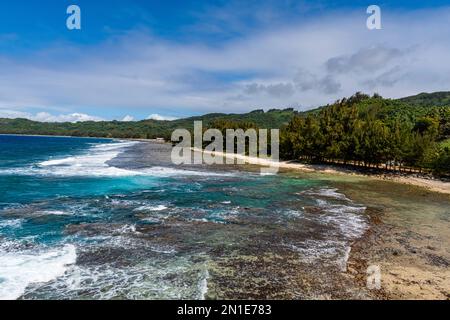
{"type": "Point", "coordinates": [140, 59]}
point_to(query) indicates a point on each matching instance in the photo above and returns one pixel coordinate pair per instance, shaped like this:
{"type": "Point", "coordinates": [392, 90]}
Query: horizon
{"type": "Point", "coordinates": [155, 117]}
{"type": "Point", "coordinates": [177, 151]}
{"type": "Point", "coordinates": [151, 60]}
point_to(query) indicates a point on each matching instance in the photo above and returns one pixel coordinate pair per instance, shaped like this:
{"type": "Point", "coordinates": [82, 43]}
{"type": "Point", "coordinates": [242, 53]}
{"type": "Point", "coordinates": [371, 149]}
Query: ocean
{"type": "Point", "coordinates": [84, 218]}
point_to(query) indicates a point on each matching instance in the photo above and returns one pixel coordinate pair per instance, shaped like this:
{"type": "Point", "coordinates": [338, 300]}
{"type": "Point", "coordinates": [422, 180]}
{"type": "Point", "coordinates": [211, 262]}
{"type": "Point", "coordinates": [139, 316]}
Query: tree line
{"type": "Point", "coordinates": [364, 131]}
{"type": "Point", "coordinates": [371, 132]}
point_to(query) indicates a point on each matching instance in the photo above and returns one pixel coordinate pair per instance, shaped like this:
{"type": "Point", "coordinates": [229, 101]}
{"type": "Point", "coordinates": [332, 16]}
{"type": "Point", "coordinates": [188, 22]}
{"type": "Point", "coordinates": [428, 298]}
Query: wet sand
{"type": "Point", "coordinates": [430, 184]}
{"type": "Point", "coordinates": [408, 238]}
{"type": "Point", "coordinates": [407, 272]}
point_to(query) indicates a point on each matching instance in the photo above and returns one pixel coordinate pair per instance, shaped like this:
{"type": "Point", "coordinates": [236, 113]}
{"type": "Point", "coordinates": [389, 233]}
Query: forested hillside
{"type": "Point", "coordinates": [412, 132]}
{"type": "Point", "coordinates": [142, 129]}
{"type": "Point", "coordinates": [372, 132]}
{"type": "Point", "coordinates": [429, 99]}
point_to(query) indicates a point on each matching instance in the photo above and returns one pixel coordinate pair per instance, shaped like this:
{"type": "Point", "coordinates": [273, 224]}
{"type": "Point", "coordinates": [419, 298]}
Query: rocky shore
{"type": "Point", "coordinates": [411, 179]}
{"type": "Point", "coordinates": [408, 240]}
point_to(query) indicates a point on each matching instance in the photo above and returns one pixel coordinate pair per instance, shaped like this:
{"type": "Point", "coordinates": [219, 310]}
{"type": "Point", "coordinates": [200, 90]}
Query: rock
{"type": "Point", "coordinates": [351, 270]}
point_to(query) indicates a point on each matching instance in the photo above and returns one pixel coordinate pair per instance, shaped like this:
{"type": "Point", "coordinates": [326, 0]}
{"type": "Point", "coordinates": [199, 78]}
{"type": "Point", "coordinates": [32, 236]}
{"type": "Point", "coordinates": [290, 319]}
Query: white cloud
{"type": "Point", "coordinates": [156, 116]}
{"type": "Point", "coordinates": [73, 117]}
{"type": "Point", "coordinates": [310, 63]}
{"type": "Point", "coordinates": [128, 118]}
{"type": "Point", "coordinates": [47, 117]}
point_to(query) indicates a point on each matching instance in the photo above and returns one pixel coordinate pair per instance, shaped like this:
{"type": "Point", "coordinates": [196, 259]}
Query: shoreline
{"type": "Point", "coordinates": [411, 262]}
{"type": "Point", "coordinates": [410, 269]}
{"type": "Point", "coordinates": [55, 136]}
{"type": "Point", "coordinates": [81, 137]}
{"type": "Point", "coordinates": [433, 185]}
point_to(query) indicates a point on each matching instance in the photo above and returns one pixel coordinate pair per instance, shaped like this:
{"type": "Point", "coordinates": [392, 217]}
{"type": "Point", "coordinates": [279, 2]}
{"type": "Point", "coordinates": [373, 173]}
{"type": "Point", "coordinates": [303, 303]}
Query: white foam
{"type": "Point", "coordinates": [151, 208]}
{"type": "Point", "coordinates": [169, 172]}
{"type": "Point", "coordinates": [313, 250]}
{"type": "Point", "coordinates": [127, 229]}
{"type": "Point", "coordinates": [203, 284]}
{"type": "Point", "coordinates": [294, 213]}
{"type": "Point", "coordinates": [152, 220]}
{"type": "Point", "coordinates": [52, 213]}
{"type": "Point", "coordinates": [345, 222]}
{"type": "Point", "coordinates": [124, 203]}
{"type": "Point", "coordinates": [20, 269]}
{"type": "Point", "coordinates": [327, 193]}
{"type": "Point", "coordinates": [147, 279]}
{"type": "Point", "coordinates": [15, 223]}
{"type": "Point", "coordinates": [163, 249]}
{"type": "Point", "coordinates": [94, 164]}
{"type": "Point", "coordinates": [348, 219]}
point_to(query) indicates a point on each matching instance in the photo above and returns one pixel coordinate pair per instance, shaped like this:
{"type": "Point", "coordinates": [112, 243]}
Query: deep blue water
{"type": "Point", "coordinates": [74, 226]}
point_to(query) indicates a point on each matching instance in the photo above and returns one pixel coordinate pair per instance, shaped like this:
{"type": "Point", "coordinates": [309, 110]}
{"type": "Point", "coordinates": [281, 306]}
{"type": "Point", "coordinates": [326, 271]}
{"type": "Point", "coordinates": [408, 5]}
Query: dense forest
{"type": "Point", "coordinates": [409, 134]}
{"type": "Point", "coordinates": [372, 132]}
{"type": "Point", "coordinates": [145, 129]}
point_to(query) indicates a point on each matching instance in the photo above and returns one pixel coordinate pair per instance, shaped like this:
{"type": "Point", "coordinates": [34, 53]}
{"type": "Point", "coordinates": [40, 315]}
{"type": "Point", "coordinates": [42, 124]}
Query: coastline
{"type": "Point", "coordinates": [429, 184]}
{"type": "Point", "coordinates": [402, 239]}
{"type": "Point", "coordinates": [82, 137]}
{"type": "Point", "coordinates": [411, 267]}
{"type": "Point", "coordinates": [433, 185]}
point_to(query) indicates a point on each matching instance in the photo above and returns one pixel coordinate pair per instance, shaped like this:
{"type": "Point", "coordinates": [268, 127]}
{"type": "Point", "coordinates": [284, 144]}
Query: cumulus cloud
{"type": "Point", "coordinates": [128, 118]}
{"type": "Point", "coordinates": [156, 116]}
{"type": "Point", "coordinates": [388, 78]}
{"type": "Point", "coordinates": [279, 90]}
{"type": "Point", "coordinates": [47, 117]}
{"type": "Point", "coordinates": [365, 60]}
{"type": "Point", "coordinates": [305, 81]}
{"type": "Point", "coordinates": [329, 85]}
{"type": "Point", "coordinates": [337, 54]}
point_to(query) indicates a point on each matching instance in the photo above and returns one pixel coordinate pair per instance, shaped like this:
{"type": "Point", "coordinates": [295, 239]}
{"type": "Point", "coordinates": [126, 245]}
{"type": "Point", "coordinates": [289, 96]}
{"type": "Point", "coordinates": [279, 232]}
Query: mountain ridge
{"type": "Point", "coordinates": [274, 118]}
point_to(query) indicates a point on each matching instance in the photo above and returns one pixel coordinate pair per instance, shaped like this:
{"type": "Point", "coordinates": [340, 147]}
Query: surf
{"type": "Point", "coordinates": [20, 269]}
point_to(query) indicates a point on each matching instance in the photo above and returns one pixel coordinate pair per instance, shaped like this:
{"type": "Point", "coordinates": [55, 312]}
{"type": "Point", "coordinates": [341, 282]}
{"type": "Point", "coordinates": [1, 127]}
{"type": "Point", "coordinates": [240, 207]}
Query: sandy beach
{"type": "Point", "coordinates": [429, 184]}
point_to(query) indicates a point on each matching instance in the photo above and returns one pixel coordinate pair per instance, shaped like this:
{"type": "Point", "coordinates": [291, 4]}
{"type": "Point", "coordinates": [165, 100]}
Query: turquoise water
{"type": "Point", "coordinates": [74, 226]}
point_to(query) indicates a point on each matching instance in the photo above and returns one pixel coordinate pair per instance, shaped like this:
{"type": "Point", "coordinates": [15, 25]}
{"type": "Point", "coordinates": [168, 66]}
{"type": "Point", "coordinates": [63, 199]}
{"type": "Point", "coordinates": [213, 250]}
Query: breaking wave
{"type": "Point", "coordinates": [94, 163]}
{"type": "Point", "coordinates": [20, 269]}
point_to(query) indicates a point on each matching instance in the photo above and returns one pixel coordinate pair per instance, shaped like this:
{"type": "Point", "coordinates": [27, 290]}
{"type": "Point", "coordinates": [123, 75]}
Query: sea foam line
{"type": "Point", "coordinates": [94, 163]}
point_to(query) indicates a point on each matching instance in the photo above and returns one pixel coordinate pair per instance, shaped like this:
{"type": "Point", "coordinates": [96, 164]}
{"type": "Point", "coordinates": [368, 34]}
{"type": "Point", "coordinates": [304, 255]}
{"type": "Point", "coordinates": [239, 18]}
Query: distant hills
{"type": "Point", "coordinates": [142, 129]}
{"type": "Point", "coordinates": [275, 118]}
{"type": "Point", "coordinates": [437, 99]}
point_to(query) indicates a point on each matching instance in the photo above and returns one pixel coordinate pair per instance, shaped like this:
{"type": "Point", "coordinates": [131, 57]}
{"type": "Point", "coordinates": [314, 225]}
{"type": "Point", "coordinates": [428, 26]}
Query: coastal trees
{"type": "Point", "coordinates": [404, 134]}
{"type": "Point", "coordinates": [441, 161]}
{"type": "Point", "coordinates": [370, 132]}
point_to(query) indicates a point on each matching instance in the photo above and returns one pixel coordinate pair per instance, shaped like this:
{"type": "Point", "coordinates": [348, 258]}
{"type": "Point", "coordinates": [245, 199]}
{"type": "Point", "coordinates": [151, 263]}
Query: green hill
{"type": "Point", "coordinates": [142, 129]}
{"type": "Point", "coordinates": [409, 109]}
{"type": "Point", "coordinates": [374, 132]}
{"type": "Point", "coordinates": [437, 99]}
{"type": "Point", "coordinates": [362, 130]}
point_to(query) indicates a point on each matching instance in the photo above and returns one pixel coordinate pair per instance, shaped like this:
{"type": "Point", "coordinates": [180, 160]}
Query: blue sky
{"type": "Point", "coordinates": [179, 58]}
